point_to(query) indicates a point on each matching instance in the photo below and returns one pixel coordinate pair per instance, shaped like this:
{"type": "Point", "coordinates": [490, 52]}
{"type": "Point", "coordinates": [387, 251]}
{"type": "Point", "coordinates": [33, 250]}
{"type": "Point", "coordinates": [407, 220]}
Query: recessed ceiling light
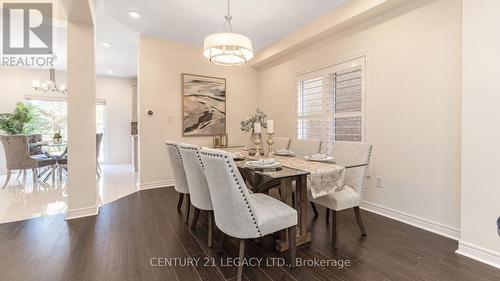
{"type": "Point", "coordinates": [134, 14]}
{"type": "Point", "coordinates": [109, 72]}
{"type": "Point", "coordinates": [105, 44]}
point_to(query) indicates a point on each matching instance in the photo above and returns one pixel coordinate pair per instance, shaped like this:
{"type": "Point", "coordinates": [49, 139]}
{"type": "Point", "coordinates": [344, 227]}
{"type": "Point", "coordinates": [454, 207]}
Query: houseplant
{"type": "Point", "coordinates": [247, 125]}
{"type": "Point", "coordinates": [20, 122]}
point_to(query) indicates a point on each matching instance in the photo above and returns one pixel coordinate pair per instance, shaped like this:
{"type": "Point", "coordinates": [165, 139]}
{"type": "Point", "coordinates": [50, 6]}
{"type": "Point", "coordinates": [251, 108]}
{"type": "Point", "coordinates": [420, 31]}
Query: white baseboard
{"type": "Point", "coordinates": [478, 253]}
{"type": "Point", "coordinates": [432, 226]}
{"type": "Point", "coordinates": [82, 212]}
{"type": "Point", "coordinates": [156, 184]}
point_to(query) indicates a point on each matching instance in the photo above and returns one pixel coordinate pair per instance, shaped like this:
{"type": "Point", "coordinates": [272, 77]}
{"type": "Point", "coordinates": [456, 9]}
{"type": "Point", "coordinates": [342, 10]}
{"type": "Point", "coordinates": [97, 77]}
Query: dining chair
{"type": "Point", "coordinates": [305, 147]}
{"type": "Point", "coordinates": [281, 143]}
{"type": "Point", "coordinates": [239, 213]}
{"type": "Point", "coordinates": [355, 157]}
{"type": "Point", "coordinates": [181, 185]}
{"type": "Point", "coordinates": [17, 157]}
{"type": "Point", "coordinates": [197, 183]}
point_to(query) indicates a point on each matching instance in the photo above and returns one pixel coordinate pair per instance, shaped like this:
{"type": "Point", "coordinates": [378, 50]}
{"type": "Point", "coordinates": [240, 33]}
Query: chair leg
{"type": "Point", "coordinates": [335, 229]}
{"type": "Point", "coordinates": [357, 213]}
{"type": "Point", "coordinates": [220, 245]}
{"type": "Point", "coordinates": [35, 176]}
{"type": "Point", "coordinates": [241, 256]}
{"type": "Point", "coordinates": [327, 215]}
{"type": "Point", "coordinates": [210, 228]}
{"type": "Point", "coordinates": [181, 198]}
{"type": "Point", "coordinates": [19, 173]}
{"type": "Point", "coordinates": [314, 209]}
{"type": "Point", "coordinates": [188, 208]}
{"type": "Point", "coordinates": [292, 245]}
{"type": "Point", "coordinates": [195, 218]}
{"type": "Point", "coordinates": [9, 174]}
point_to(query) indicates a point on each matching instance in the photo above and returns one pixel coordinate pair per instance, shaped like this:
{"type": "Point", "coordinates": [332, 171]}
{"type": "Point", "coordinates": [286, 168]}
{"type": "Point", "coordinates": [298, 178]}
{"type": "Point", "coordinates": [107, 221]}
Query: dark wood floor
{"type": "Point", "coordinates": [119, 243]}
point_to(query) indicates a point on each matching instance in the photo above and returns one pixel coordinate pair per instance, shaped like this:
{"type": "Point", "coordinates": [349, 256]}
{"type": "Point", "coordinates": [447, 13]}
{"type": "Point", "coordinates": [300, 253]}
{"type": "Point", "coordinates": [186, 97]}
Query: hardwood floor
{"type": "Point", "coordinates": [119, 243]}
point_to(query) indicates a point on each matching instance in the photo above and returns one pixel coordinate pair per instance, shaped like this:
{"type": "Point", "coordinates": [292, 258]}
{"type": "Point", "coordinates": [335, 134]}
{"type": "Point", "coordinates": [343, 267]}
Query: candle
{"type": "Point", "coordinates": [270, 126]}
{"type": "Point", "coordinates": [256, 127]}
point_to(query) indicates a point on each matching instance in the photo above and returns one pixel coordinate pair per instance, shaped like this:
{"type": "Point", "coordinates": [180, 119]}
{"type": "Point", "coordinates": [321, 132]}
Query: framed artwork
{"type": "Point", "coordinates": [203, 105]}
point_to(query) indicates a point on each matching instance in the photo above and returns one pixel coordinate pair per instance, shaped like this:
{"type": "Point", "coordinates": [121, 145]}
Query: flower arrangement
{"type": "Point", "coordinates": [259, 116]}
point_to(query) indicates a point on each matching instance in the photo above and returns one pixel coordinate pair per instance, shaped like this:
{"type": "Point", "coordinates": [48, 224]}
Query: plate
{"type": "Point", "coordinates": [284, 153]}
{"type": "Point", "coordinates": [254, 164]}
{"type": "Point", "coordinates": [328, 159]}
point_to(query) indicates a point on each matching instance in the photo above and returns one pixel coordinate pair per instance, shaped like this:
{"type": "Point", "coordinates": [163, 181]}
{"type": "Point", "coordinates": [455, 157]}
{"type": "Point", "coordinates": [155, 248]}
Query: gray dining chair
{"type": "Point", "coordinates": [181, 185]}
{"type": "Point", "coordinates": [239, 213]}
{"type": "Point", "coordinates": [355, 156]}
{"type": "Point", "coordinates": [17, 157]}
{"type": "Point", "coordinates": [280, 143]}
{"type": "Point", "coordinates": [305, 147]}
{"type": "Point", "coordinates": [197, 183]}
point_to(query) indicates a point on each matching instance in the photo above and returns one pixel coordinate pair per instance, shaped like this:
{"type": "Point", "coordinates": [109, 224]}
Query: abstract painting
{"type": "Point", "coordinates": [203, 105]}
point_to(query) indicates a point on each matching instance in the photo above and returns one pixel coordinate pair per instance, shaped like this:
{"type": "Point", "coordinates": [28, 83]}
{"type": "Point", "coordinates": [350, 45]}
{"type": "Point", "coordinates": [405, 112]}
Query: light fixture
{"type": "Point", "coordinates": [105, 44]}
{"type": "Point", "coordinates": [50, 86]}
{"type": "Point", "coordinates": [134, 14]}
{"type": "Point", "coordinates": [228, 48]}
{"type": "Point", "coordinates": [109, 71]}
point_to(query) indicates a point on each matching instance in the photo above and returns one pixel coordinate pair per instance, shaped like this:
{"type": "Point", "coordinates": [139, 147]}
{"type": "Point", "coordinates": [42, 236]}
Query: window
{"type": "Point", "coordinates": [330, 103]}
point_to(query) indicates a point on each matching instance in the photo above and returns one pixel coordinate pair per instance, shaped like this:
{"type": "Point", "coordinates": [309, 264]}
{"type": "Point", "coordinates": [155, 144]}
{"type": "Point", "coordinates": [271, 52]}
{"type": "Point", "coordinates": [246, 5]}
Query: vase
{"type": "Point", "coordinates": [251, 142]}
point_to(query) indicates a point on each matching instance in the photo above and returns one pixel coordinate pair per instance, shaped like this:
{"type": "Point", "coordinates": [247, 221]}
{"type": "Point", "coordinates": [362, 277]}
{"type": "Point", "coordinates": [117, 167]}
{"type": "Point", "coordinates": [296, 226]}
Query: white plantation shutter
{"type": "Point", "coordinates": [330, 104]}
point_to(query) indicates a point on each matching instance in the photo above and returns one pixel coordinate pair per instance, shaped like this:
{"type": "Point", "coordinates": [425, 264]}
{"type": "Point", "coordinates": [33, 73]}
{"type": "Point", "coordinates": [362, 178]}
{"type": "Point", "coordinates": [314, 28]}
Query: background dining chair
{"type": "Point", "coordinates": [181, 184]}
{"type": "Point", "coordinates": [280, 143]}
{"type": "Point", "coordinates": [17, 157]}
{"type": "Point", "coordinates": [355, 156]}
{"type": "Point", "coordinates": [305, 147]}
{"type": "Point", "coordinates": [239, 213]}
{"type": "Point", "coordinates": [198, 187]}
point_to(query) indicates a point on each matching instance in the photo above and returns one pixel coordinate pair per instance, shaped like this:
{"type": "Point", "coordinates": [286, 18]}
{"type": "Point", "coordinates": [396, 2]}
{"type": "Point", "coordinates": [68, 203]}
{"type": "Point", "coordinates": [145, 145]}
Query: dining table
{"type": "Point", "coordinates": [292, 172]}
{"type": "Point", "coordinates": [59, 146]}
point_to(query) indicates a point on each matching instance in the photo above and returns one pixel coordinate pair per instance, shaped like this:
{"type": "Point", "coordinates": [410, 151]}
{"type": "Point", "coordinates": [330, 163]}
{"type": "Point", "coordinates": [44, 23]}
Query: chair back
{"type": "Point", "coordinates": [36, 150]}
{"type": "Point", "coordinates": [193, 167]}
{"type": "Point", "coordinates": [17, 155]}
{"type": "Point", "coordinates": [281, 143]}
{"type": "Point", "coordinates": [347, 154]}
{"type": "Point", "coordinates": [175, 157]}
{"type": "Point", "coordinates": [305, 147]}
{"type": "Point", "coordinates": [234, 213]}
{"type": "Point", "coordinates": [98, 142]}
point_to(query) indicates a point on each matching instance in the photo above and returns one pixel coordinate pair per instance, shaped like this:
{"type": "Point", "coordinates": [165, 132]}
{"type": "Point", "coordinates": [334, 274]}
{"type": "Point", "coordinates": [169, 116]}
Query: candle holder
{"type": "Point", "coordinates": [270, 143]}
{"type": "Point", "coordinates": [258, 142]}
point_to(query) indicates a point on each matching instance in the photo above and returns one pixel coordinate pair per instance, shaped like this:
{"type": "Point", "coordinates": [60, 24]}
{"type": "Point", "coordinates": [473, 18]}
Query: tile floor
{"type": "Point", "coordinates": [22, 200]}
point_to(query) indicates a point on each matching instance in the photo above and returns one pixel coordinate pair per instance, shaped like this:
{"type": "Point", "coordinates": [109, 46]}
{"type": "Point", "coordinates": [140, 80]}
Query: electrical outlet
{"type": "Point", "coordinates": [379, 181]}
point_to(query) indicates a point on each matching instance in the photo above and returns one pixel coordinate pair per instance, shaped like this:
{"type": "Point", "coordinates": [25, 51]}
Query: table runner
{"type": "Point", "coordinates": [324, 178]}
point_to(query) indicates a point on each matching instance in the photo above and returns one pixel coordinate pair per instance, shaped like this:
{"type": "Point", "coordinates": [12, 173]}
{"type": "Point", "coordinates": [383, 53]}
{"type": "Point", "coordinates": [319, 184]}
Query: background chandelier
{"type": "Point", "coordinates": [50, 86]}
{"type": "Point", "coordinates": [228, 48]}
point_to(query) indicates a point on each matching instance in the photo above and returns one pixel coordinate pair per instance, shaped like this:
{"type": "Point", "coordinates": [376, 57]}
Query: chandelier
{"type": "Point", "coordinates": [50, 86]}
{"type": "Point", "coordinates": [228, 48]}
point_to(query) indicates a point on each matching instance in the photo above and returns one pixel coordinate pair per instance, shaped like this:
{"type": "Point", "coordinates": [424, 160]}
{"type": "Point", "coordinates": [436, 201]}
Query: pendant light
{"type": "Point", "coordinates": [228, 48]}
{"type": "Point", "coordinates": [50, 86]}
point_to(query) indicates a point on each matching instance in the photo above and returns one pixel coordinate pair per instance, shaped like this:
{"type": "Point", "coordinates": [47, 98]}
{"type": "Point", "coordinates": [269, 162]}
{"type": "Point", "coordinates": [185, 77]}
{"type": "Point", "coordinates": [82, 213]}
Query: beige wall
{"type": "Point", "coordinates": [117, 92]}
{"type": "Point", "coordinates": [480, 131]}
{"type": "Point", "coordinates": [413, 108]}
{"type": "Point", "coordinates": [160, 66]}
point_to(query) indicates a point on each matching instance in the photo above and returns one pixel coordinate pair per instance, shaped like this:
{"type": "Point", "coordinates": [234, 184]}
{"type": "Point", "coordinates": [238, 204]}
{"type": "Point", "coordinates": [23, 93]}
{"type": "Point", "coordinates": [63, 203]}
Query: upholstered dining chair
{"type": "Point", "coordinates": [305, 147]}
{"type": "Point", "coordinates": [280, 143]}
{"type": "Point", "coordinates": [197, 183]}
{"type": "Point", "coordinates": [355, 156]}
{"type": "Point", "coordinates": [181, 185]}
{"type": "Point", "coordinates": [17, 156]}
{"type": "Point", "coordinates": [239, 213]}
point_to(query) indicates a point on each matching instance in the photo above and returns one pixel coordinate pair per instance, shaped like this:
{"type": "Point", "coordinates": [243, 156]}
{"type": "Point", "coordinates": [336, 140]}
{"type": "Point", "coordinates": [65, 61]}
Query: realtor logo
{"type": "Point", "coordinates": [27, 28]}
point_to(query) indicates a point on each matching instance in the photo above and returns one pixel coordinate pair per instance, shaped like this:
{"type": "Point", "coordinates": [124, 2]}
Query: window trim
{"type": "Point", "coordinates": [333, 68]}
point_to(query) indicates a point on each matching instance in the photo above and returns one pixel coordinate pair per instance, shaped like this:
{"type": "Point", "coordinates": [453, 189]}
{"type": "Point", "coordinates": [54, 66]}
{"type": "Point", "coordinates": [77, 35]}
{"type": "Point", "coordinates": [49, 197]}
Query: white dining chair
{"type": "Point", "coordinates": [355, 156]}
{"type": "Point", "coordinates": [241, 214]}
{"type": "Point", "coordinates": [281, 143]}
{"type": "Point", "coordinates": [181, 185]}
{"type": "Point", "coordinates": [198, 187]}
{"type": "Point", "coordinates": [305, 147]}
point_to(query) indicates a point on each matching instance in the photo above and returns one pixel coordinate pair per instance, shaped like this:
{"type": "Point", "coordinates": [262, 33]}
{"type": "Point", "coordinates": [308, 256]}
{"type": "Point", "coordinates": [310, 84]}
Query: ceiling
{"type": "Point", "coordinates": [189, 21]}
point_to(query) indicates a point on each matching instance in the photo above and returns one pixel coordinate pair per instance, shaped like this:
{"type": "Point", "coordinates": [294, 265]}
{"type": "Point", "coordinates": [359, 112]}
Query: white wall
{"type": "Point", "coordinates": [480, 131]}
{"type": "Point", "coordinates": [413, 107]}
{"type": "Point", "coordinates": [159, 81]}
{"type": "Point", "coordinates": [16, 84]}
